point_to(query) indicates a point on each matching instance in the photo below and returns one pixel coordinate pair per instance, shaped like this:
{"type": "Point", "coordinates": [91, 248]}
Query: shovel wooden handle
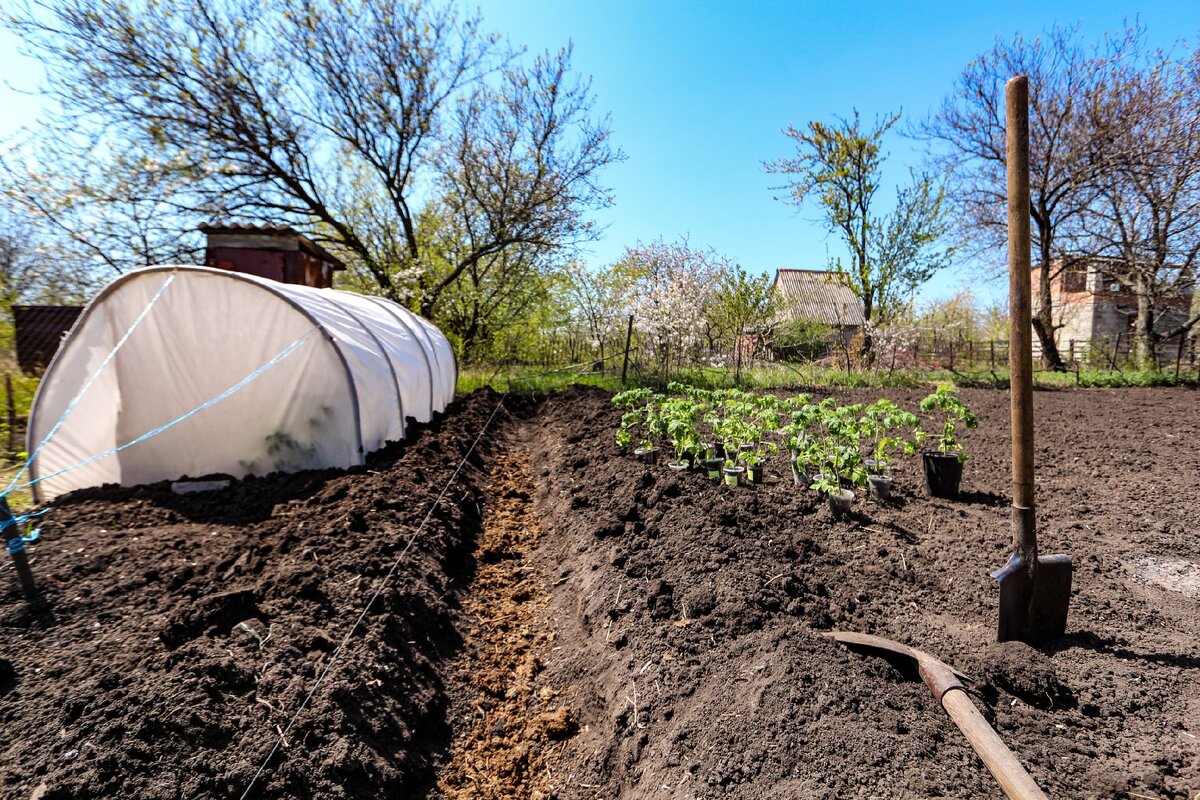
{"type": "Point", "coordinates": [1012, 777]}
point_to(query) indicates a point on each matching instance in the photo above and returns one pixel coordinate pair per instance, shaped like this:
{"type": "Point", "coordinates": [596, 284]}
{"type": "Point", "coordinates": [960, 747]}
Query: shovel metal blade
{"type": "Point", "coordinates": [1033, 608]}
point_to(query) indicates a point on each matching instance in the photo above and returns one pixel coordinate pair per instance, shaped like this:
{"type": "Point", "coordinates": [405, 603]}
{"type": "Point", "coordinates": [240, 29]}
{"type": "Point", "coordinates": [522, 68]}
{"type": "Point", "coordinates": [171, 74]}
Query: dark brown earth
{"type": "Point", "coordinates": [653, 634]}
{"type": "Point", "coordinates": [691, 609]}
{"type": "Point", "coordinates": [182, 632]}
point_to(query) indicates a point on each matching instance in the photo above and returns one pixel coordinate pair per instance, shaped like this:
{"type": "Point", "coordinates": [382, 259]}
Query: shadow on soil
{"type": "Point", "coordinates": [1087, 640]}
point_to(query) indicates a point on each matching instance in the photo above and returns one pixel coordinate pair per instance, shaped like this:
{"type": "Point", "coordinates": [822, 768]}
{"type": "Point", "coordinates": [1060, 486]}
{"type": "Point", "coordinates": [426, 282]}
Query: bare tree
{"type": "Point", "coordinates": [35, 270]}
{"type": "Point", "coordinates": [1144, 223]}
{"type": "Point", "coordinates": [968, 137]}
{"type": "Point", "coordinates": [345, 118]}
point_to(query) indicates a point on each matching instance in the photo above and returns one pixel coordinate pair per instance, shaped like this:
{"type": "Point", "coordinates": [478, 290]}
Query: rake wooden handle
{"type": "Point", "coordinates": [1012, 777]}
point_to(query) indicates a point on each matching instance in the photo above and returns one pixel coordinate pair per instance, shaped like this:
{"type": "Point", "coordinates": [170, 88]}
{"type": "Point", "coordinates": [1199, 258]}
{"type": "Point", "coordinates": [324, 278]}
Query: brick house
{"type": "Point", "coordinates": [1095, 309]}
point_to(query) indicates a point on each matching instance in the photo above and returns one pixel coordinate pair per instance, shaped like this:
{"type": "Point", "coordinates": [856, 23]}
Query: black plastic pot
{"type": "Point", "coordinates": [943, 474]}
{"type": "Point", "coordinates": [647, 454]}
{"type": "Point", "coordinates": [714, 467]}
{"type": "Point", "coordinates": [733, 474]}
{"type": "Point", "coordinates": [755, 474]}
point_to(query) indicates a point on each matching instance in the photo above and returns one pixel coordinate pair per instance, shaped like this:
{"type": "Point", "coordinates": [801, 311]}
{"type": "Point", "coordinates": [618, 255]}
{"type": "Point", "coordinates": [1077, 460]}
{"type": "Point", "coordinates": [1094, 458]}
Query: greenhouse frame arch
{"type": "Point", "coordinates": [231, 374]}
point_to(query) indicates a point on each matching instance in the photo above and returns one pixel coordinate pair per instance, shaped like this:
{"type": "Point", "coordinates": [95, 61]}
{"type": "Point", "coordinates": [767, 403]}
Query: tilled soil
{"type": "Point", "coordinates": [571, 623]}
{"type": "Point", "coordinates": [505, 724]}
{"type": "Point", "coordinates": [694, 607]}
{"type": "Point", "coordinates": [181, 633]}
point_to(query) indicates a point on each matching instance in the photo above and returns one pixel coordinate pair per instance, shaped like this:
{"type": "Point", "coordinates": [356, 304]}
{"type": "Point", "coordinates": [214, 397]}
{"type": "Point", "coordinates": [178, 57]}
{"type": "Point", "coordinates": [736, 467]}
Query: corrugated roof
{"type": "Point", "coordinates": [816, 295]}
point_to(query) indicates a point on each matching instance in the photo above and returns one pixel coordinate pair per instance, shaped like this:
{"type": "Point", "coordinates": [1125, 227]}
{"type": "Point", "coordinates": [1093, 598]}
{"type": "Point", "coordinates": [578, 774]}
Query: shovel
{"type": "Point", "coordinates": [943, 681]}
{"type": "Point", "coordinates": [1035, 591]}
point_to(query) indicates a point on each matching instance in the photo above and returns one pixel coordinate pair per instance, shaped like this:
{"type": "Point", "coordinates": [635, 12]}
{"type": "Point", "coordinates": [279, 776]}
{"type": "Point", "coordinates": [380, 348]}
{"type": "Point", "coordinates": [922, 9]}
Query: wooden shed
{"type": "Point", "coordinates": [278, 252]}
{"type": "Point", "coordinates": [39, 331]}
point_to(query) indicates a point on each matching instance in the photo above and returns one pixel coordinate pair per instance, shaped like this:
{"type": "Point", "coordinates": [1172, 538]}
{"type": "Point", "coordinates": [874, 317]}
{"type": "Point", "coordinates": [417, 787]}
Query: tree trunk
{"type": "Point", "coordinates": [1043, 317]}
{"type": "Point", "coordinates": [1143, 328]}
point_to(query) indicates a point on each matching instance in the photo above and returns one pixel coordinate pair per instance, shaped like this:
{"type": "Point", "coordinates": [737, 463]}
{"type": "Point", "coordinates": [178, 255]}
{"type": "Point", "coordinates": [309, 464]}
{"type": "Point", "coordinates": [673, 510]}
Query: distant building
{"type": "Point", "coordinates": [818, 296]}
{"type": "Point", "coordinates": [39, 331]}
{"type": "Point", "coordinates": [278, 252]}
{"type": "Point", "coordinates": [1095, 308]}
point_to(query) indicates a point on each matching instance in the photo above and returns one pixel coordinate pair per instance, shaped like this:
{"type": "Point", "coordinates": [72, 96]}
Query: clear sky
{"type": "Point", "coordinates": [699, 91]}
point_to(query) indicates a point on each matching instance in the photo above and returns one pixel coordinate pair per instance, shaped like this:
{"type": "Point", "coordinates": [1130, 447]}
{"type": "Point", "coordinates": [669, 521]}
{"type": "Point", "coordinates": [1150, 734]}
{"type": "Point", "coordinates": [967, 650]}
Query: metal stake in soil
{"type": "Point", "coordinates": [1034, 592]}
{"type": "Point", "coordinates": [16, 548]}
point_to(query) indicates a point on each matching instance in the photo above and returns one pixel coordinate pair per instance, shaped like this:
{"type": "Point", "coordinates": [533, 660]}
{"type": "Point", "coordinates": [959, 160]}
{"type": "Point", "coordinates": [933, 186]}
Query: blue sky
{"type": "Point", "coordinates": [698, 93]}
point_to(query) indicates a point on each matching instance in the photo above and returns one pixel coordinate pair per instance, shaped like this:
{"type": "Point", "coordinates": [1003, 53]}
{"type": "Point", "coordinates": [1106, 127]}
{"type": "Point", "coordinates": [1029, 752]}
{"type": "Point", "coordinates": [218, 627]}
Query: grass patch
{"type": "Point", "coordinates": [21, 499]}
{"type": "Point", "coordinates": [532, 380]}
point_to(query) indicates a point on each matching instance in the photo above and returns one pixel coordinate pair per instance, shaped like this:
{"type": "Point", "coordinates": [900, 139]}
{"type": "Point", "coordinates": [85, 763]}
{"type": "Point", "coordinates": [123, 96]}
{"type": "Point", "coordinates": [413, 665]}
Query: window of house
{"type": "Point", "coordinates": [1075, 278]}
{"type": "Point", "coordinates": [1111, 284]}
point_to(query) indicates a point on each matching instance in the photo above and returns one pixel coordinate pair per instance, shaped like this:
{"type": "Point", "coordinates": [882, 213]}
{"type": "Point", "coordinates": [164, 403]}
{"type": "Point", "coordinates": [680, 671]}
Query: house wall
{"type": "Point", "coordinates": [1096, 313]}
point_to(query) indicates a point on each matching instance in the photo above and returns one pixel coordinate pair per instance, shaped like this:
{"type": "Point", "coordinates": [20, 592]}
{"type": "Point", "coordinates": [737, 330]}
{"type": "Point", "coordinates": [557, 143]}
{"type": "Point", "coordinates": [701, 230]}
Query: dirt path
{"type": "Point", "coordinates": [509, 716]}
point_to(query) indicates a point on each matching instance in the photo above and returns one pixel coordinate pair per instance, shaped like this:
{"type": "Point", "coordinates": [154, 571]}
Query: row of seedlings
{"type": "Point", "coordinates": [833, 449]}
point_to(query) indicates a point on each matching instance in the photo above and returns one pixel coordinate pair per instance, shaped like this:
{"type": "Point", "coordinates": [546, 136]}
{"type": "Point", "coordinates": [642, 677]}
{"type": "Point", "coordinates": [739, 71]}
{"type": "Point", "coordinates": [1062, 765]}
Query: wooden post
{"type": "Point", "coordinates": [12, 413]}
{"type": "Point", "coordinates": [992, 349]}
{"type": "Point", "coordinates": [628, 339]}
{"type": "Point", "coordinates": [1178, 357]}
{"type": "Point", "coordinates": [1071, 350]}
{"type": "Point", "coordinates": [1116, 349]}
{"type": "Point", "coordinates": [1020, 344]}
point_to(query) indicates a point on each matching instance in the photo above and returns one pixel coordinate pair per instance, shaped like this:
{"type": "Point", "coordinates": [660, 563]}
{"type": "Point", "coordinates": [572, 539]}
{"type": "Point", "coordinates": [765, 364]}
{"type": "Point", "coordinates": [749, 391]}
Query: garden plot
{"type": "Point", "coordinates": [666, 637]}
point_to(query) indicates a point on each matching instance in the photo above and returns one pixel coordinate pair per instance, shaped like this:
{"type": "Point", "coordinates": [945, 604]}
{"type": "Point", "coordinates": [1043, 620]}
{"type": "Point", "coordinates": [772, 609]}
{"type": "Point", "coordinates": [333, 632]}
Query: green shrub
{"type": "Point", "coordinates": [802, 340]}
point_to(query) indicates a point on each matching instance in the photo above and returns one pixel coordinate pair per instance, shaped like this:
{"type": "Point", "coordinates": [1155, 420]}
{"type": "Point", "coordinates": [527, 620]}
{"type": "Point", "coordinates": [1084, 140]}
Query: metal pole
{"type": "Point", "coordinates": [628, 339]}
{"type": "Point", "coordinates": [1020, 349]}
{"type": "Point", "coordinates": [10, 533]}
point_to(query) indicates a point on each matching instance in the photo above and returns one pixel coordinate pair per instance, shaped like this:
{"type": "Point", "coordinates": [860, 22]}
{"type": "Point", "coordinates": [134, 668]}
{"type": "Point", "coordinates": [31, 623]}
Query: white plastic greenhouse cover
{"type": "Point", "coordinates": [361, 366]}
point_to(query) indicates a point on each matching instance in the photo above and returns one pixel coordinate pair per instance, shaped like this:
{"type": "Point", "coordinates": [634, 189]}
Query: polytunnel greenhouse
{"type": "Point", "coordinates": [183, 370]}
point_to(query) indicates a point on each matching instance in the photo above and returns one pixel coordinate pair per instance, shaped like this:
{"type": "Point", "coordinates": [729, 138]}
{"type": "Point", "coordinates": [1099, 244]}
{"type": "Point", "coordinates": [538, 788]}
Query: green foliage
{"type": "Point", "coordinates": [801, 341]}
{"type": "Point", "coordinates": [944, 404]}
{"type": "Point", "coordinates": [880, 419]}
{"type": "Point", "coordinates": [839, 166]}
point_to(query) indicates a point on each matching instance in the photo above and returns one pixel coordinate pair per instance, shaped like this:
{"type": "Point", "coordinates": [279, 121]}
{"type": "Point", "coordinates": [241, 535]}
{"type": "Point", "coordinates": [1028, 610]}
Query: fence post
{"type": "Point", "coordinates": [992, 350]}
{"type": "Point", "coordinates": [1116, 349]}
{"type": "Point", "coordinates": [12, 413]}
{"type": "Point", "coordinates": [1178, 358]}
{"type": "Point", "coordinates": [628, 339]}
{"type": "Point", "coordinates": [1071, 350]}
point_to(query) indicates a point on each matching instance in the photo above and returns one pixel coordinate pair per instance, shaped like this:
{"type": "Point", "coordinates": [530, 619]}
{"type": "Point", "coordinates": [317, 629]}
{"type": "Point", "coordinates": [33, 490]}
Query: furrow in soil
{"type": "Point", "coordinates": [508, 718]}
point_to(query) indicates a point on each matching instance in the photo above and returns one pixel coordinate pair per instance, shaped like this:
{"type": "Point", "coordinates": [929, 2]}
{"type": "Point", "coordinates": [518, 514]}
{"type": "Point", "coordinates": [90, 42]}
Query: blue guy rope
{"type": "Point", "coordinates": [280, 356]}
{"type": "Point", "coordinates": [87, 385]}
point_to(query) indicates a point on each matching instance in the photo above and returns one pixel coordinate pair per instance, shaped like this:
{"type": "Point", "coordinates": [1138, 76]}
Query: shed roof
{"type": "Point", "coordinates": [255, 236]}
{"type": "Point", "coordinates": [817, 295]}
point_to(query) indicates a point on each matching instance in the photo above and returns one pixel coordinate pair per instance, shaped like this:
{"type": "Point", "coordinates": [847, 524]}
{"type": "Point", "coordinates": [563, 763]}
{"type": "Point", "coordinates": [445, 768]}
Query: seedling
{"type": "Point", "coordinates": [880, 418]}
{"type": "Point", "coordinates": [944, 403]}
{"type": "Point", "coordinates": [679, 419]}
